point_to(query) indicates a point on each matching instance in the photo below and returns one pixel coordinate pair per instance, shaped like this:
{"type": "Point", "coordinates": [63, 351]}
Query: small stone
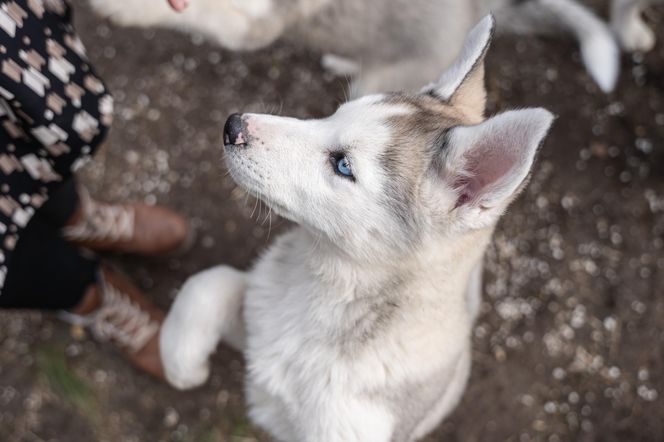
{"type": "Point", "coordinates": [171, 417]}
{"type": "Point", "coordinates": [77, 332]}
{"type": "Point", "coordinates": [558, 373]}
{"type": "Point", "coordinates": [539, 425]}
{"type": "Point", "coordinates": [599, 150]}
{"type": "Point", "coordinates": [550, 407]}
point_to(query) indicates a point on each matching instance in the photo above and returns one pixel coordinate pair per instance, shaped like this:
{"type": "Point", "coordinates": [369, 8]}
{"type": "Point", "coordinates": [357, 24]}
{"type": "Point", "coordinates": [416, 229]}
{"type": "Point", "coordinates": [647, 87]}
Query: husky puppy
{"type": "Point", "coordinates": [627, 22]}
{"type": "Point", "coordinates": [356, 324]}
{"type": "Point", "coordinates": [386, 45]}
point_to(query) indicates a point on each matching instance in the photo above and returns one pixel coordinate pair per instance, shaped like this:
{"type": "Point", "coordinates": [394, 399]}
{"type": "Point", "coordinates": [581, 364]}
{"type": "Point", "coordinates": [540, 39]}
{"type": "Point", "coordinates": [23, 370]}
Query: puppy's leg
{"type": "Point", "coordinates": [207, 309]}
{"type": "Point", "coordinates": [599, 51]}
{"type": "Point", "coordinates": [627, 22]}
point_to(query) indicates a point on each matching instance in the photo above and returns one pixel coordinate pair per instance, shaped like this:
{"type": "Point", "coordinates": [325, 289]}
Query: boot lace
{"type": "Point", "coordinates": [118, 319]}
{"type": "Point", "coordinates": [101, 221]}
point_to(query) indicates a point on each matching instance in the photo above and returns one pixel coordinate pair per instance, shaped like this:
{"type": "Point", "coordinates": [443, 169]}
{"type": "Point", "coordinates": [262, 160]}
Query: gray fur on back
{"type": "Point", "coordinates": [359, 29]}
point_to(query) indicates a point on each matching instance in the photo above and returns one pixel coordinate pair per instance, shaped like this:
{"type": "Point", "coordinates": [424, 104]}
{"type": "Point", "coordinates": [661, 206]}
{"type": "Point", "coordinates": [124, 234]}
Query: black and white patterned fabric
{"type": "Point", "coordinates": [54, 111]}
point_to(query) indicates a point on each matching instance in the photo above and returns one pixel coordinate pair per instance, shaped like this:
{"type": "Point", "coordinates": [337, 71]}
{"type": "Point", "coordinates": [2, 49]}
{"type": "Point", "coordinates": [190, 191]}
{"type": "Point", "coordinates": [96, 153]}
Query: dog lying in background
{"type": "Point", "coordinates": [388, 45]}
{"type": "Point", "coordinates": [356, 324]}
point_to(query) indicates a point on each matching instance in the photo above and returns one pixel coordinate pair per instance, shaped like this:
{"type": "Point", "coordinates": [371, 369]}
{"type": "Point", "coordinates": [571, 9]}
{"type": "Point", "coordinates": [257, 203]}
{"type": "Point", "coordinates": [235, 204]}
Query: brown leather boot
{"type": "Point", "coordinates": [127, 228]}
{"type": "Point", "coordinates": [115, 310]}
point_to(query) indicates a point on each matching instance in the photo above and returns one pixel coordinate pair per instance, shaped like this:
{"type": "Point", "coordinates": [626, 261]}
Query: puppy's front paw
{"type": "Point", "coordinates": [185, 375]}
{"type": "Point", "coordinates": [184, 360]}
{"type": "Point", "coordinates": [206, 309]}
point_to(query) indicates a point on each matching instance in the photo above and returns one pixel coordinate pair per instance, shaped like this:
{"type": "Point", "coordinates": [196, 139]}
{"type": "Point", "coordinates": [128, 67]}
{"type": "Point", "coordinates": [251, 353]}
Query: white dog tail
{"type": "Point", "coordinates": [599, 49]}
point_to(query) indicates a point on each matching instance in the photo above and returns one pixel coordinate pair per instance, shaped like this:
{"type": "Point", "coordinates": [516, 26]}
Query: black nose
{"type": "Point", "coordinates": [233, 130]}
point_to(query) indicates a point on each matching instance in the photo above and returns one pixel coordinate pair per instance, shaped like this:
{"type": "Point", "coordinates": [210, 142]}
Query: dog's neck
{"type": "Point", "coordinates": [445, 262]}
{"type": "Point", "coordinates": [348, 301]}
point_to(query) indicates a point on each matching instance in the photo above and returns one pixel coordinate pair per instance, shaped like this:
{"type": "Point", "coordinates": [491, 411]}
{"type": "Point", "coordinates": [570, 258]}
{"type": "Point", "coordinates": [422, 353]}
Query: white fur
{"type": "Point", "coordinates": [475, 291]}
{"type": "Point", "coordinates": [599, 50]}
{"type": "Point", "coordinates": [212, 300]}
{"type": "Point", "coordinates": [340, 66]}
{"type": "Point", "coordinates": [601, 58]}
{"type": "Point", "coordinates": [628, 24]}
{"type": "Point", "coordinates": [254, 8]}
{"type": "Point", "coordinates": [355, 325]}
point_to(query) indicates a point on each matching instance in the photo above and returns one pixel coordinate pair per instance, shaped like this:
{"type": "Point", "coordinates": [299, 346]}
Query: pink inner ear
{"type": "Point", "coordinates": [484, 167]}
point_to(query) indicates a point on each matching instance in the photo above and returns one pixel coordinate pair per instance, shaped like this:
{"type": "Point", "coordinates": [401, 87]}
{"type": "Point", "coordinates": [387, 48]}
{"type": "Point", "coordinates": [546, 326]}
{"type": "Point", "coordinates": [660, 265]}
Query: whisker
{"type": "Point", "coordinates": [269, 227]}
{"type": "Point", "coordinates": [254, 209]}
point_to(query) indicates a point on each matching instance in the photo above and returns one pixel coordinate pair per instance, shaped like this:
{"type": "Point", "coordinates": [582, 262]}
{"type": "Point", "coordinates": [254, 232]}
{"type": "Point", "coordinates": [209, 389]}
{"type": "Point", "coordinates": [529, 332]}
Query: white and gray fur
{"type": "Point", "coordinates": [389, 45]}
{"type": "Point", "coordinates": [628, 24]}
{"type": "Point", "coordinates": [356, 324]}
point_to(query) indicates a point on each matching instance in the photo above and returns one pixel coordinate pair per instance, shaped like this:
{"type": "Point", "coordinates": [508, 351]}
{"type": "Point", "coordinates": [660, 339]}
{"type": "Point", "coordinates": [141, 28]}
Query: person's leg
{"type": "Point", "coordinates": [51, 121]}
{"type": "Point", "coordinates": [129, 228]}
{"type": "Point", "coordinates": [62, 204]}
{"type": "Point", "coordinates": [46, 272]}
{"type": "Point", "coordinates": [125, 227]}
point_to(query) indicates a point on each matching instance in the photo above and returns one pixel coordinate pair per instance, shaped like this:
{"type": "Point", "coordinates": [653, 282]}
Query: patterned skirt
{"type": "Point", "coordinates": [54, 111]}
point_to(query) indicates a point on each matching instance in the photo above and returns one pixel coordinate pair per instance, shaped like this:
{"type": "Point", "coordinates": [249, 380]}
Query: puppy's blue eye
{"type": "Point", "coordinates": [342, 166]}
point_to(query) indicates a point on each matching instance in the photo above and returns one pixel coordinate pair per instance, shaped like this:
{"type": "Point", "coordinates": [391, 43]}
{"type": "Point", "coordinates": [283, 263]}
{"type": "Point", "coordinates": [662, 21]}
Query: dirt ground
{"type": "Point", "coordinates": [569, 345]}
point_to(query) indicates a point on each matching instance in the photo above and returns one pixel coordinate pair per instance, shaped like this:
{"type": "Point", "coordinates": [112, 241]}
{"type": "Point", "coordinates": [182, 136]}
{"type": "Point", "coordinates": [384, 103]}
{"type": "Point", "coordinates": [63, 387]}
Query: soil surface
{"type": "Point", "coordinates": [569, 343]}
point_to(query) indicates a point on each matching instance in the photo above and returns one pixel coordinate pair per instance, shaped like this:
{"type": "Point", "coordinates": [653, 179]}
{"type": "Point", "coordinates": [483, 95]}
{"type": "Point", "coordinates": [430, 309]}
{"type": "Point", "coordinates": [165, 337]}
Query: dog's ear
{"type": "Point", "coordinates": [486, 165]}
{"type": "Point", "coordinates": [462, 85]}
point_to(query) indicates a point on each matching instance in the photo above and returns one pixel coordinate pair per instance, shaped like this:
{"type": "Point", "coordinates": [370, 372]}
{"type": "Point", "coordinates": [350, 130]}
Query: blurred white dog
{"type": "Point", "coordinates": [356, 324]}
{"type": "Point", "coordinates": [389, 45]}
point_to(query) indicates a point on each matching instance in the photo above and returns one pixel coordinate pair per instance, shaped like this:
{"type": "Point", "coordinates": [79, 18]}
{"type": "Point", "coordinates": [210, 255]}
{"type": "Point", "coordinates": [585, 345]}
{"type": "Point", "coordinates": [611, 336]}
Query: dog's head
{"type": "Point", "coordinates": [386, 172]}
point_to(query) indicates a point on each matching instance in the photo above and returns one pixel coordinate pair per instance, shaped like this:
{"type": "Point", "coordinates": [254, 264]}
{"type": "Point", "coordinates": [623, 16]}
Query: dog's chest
{"type": "Point", "coordinates": [297, 332]}
{"type": "Point", "coordinates": [303, 350]}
